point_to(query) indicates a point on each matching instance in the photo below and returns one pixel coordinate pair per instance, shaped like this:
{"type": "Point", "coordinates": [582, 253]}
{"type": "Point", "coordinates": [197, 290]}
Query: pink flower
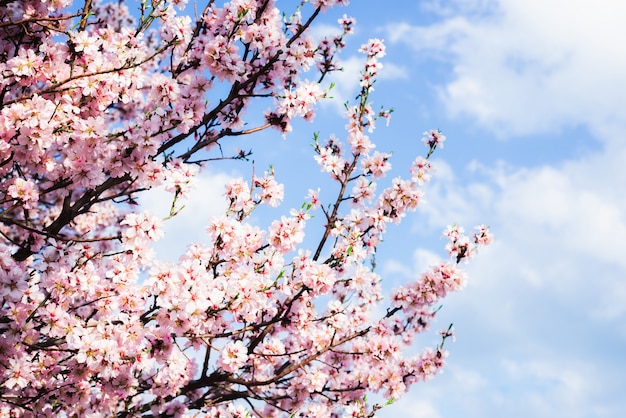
{"type": "Point", "coordinates": [373, 48]}
{"type": "Point", "coordinates": [19, 373]}
{"type": "Point", "coordinates": [363, 190]}
{"type": "Point", "coordinates": [314, 198]}
{"type": "Point", "coordinates": [285, 234]}
{"type": "Point", "coordinates": [142, 226]}
{"type": "Point", "coordinates": [25, 191]}
{"type": "Point", "coordinates": [25, 64]}
{"type": "Point", "coordinates": [483, 236]}
{"type": "Point", "coordinates": [299, 102]}
{"type": "Point", "coordinates": [433, 138]}
{"type": "Point", "coordinates": [376, 165]}
{"type": "Point", "coordinates": [420, 170]}
{"type": "Point", "coordinates": [234, 355]}
{"type": "Point", "coordinates": [238, 194]}
{"type": "Point", "coordinates": [271, 192]}
{"type": "Point", "coordinates": [318, 277]}
{"type": "Point", "coordinates": [359, 142]}
{"type": "Point", "coordinates": [347, 23]}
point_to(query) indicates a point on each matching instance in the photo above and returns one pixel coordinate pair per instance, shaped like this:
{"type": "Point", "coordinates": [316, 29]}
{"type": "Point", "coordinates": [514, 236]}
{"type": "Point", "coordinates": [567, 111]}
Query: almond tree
{"type": "Point", "coordinates": [102, 101]}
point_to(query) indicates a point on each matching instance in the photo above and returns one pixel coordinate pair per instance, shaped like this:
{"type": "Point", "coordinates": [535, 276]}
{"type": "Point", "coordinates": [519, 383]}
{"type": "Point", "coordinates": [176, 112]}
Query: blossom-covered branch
{"type": "Point", "coordinates": [97, 107]}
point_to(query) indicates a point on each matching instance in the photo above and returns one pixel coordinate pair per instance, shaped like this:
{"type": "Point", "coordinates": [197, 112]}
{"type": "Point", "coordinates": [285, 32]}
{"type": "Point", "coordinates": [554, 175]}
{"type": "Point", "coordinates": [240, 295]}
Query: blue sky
{"type": "Point", "coordinates": [531, 95]}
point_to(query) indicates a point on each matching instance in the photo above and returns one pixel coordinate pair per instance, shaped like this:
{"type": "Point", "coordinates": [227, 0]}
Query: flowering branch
{"type": "Point", "coordinates": [99, 106]}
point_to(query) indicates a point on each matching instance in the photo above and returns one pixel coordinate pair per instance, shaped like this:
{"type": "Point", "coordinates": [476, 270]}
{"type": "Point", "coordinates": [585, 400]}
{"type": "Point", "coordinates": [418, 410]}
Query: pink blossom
{"type": "Point", "coordinates": [25, 64]}
{"type": "Point", "coordinates": [483, 236]}
{"type": "Point", "coordinates": [313, 198]}
{"type": "Point", "coordinates": [433, 139]}
{"type": "Point", "coordinates": [285, 234]}
{"type": "Point", "coordinates": [25, 191]}
{"type": "Point", "coordinates": [373, 48]}
{"type": "Point", "coordinates": [19, 374]}
{"type": "Point", "coordinates": [234, 355]}
{"type": "Point", "coordinates": [347, 23]}
{"type": "Point", "coordinates": [377, 164]}
{"type": "Point", "coordinates": [363, 189]}
{"type": "Point", "coordinates": [270, 191]}
{"type": "Point", "coordinates": [420, 170]}
{"type": "Point", "coordinates": [238, 193]}
{"type": "Point", "coordinates": [142, 226]}
{"type": "Point", "coordinates": [299, 102]}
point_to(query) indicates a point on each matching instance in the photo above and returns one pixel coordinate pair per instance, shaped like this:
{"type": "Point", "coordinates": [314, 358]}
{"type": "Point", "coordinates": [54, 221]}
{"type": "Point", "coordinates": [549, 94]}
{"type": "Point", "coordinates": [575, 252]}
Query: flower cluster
{"type": "Point", "coordinates": [460, 246]}
{"type": "Point", "coordinates": [374, 50]}
{"type": "Point", "coordinates": [433, 138]}
{"type": "Point", "coordinates": [24, 191]}
{"type": "Point", "coordinates": [96, 105]}
{"type": "Point", "coordinates": [420, 170]}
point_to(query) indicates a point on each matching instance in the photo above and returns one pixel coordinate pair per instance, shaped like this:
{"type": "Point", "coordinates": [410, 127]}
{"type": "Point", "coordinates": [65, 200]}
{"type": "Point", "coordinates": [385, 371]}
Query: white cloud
{"type": "Point", "coordinates": [422, 260]}
{"type": "Point", "coordinates": [347, 80]}
{"type": "Point", "coordinates": [555, 388]}
{"type": "Point", "coordinates": [323, 30]}
{"type": "Point", "coordinates": [446, 202]}
{"type": "Point", "coordinates": [528, 66]}
{"type": "Point", "coordinates": [410, 407]}
{"type": "Point", "coordinates": [204, 201]}
{"type": "Point", "coordinates": [547, 219]}
{"type": "Point", "coordinates": [548, 299]}
{"type": "Point", "coordinates": [541, 325]}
